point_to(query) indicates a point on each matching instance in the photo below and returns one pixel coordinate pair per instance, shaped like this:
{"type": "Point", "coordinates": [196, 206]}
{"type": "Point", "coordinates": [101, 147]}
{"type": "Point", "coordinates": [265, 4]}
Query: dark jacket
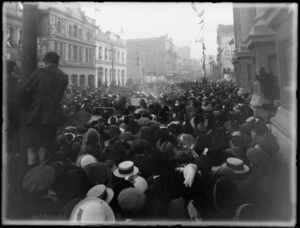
{"type": "Point", "coordinates": [43, 91]}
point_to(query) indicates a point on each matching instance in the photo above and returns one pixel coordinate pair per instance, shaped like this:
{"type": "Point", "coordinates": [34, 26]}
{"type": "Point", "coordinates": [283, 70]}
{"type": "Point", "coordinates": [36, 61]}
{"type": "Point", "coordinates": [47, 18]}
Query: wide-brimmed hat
{"type": "Point", "coordinates": [132, 200]}
{"type": "Point", "coordinates": [237, 165]}
{"type": "Point", "coordinates": [92, 210]}
{"type": "Point", "coordinates": [39, 178]}
{"type": "Point", "coordinates": [102, 192]}
{"type": "Point", "coordinates": [138, 182]}
{"type": "Point", "coordinates": [126, 168]}
{"type": "Point", "coordinates": [85, 159]}
{"type": "Point", "coordinates": [143, 121]}
{"type": "Point", "coordinates": [231, 126]}
{"type": "Point", "coordinates": [252, 119]}
{"type": "Point", "coordinates": [97, 173]}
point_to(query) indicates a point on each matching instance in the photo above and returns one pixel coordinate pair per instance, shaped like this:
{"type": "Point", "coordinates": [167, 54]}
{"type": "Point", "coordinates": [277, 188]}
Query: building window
{"type": "Point", "coordinates": [87, 55]}
{"type": "Point", "coordinates": [75, 53]}
{"type": "Point", "coordinates": [122, 57]}
{"type": "Point", "coordinates": [56, 47]}
{"type": "Point", "coordinates": [100, 52]}
{"type": "Point", "coordinates": [80, 54]}
{"type": "Point", "coordinates": [106, 56]}
{"type": "Point", "coordinates": [61, 50]}
{"type": "Point", "coordinates": [118, 57]}
{"type": "Point", "coordinates": [70, 50]}
{"type": "Point", "coordinates": [58, 26]}
{"type": "Point", "coordinates": [70, 30]}
{"type": "Point", "coordinates": [75, 30]}
{"type": "Point", "coordinates": [80, 33]}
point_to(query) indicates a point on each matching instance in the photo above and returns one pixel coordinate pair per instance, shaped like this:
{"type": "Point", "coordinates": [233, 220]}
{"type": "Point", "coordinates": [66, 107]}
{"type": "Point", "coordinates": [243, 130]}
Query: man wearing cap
{"type": "Point", "coordinates": [44, 89]}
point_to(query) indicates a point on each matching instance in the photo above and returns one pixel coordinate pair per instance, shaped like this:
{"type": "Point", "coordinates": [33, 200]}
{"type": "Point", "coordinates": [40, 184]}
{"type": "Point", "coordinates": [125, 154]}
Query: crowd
{"type": "Point", "coordinates": [190, 151]}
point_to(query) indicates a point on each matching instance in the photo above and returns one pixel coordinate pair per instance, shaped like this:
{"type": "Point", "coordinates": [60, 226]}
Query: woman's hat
{"type": "Point", "coordinates": [252, 119]}
{"type": "Point", "coordinates": [70, 136]}
{"type": "Point", "coordinates": [97, 173]}
{"type": "Point", "coordinates": [126, 168]}
{"type": "Point", "coordinates": [237, 165]}
{"type": "Point", "coordinates": [102, 192]}
{"type": "Point", "coordinates": [132, 200]}
{"type": "Point", "coordinates": [92, 210]}
{"type": "Point", "coordinates": [85, 159]}
{"type": "Point", "coordinates": [138, 182]}
{"type": "Point", "coordinates": [39, 178]}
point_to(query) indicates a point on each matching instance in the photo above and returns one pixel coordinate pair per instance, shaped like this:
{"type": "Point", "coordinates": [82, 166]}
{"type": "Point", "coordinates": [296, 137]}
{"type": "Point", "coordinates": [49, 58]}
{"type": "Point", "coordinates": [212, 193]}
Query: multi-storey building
{"type": "Point", "coordinates": [12, 31]}
{"type": "Point", "coordinates": [266, 36]}
{"type": "Point", "coordinates": [70, 33]}
{"type": "Point", "coordinates": [225, 35]}
{"type": "Point", "coordinates": [110, 58]}
{"type": "Point", "coordinates": [67, 31]}
{"type": "Point", "coordinates": [151, 56]}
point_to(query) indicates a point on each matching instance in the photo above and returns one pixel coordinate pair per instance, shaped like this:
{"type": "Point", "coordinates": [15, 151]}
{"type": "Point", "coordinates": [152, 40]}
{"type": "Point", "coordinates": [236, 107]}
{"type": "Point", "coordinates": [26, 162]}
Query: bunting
{"type": "Point", "coordinates": [194, 7]}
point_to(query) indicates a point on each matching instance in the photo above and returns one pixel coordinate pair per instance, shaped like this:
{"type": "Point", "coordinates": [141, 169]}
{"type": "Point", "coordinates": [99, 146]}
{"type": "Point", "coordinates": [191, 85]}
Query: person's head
{"type": "Point", "coordinates": [260, 71]}
{"type": "Point", "coordinates": [51, 58]}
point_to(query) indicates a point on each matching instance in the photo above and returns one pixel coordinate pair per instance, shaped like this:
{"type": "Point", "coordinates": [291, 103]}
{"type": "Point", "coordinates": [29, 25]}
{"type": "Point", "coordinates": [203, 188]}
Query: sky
{"type": "Point", "coordinates": [154, 19]}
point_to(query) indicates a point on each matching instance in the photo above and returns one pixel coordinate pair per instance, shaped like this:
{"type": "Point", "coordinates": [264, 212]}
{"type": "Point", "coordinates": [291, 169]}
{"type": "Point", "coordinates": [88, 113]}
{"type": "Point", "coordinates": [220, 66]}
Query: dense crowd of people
{"type": "Point", "coordinates": [189, 151]}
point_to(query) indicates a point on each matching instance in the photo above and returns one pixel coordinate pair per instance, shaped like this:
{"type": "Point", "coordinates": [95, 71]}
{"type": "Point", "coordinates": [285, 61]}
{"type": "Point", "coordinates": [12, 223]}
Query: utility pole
{"type": "Point", "coordinates": [28, 65]}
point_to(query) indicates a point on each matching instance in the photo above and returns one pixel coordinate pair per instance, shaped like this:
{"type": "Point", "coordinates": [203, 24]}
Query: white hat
{"type": "Point", "coordinates": [85, 159]}
{"type": "Point", "coordinates": [100, 191]}
{"type": "Point", "coordinates": [138, 182]}
{"type": "Point", "coordinates": [237, 165]}
{"type": "Point", "coordinates": [126, 168]}
{"type": "Point", "coordinates": [92, 210]}
{"type": "Point", "coordinates": [252, 119]}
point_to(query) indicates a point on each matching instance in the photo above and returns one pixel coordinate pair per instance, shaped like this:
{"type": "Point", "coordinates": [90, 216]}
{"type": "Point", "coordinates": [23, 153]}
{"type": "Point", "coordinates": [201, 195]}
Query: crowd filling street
{"type": "Point", "coordinates": [189, 151]}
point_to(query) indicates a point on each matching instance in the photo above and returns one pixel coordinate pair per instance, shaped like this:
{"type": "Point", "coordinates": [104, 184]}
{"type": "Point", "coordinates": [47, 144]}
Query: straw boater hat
{"type": "Point", "coordinates": [237, 165]}
{"type": "Point", "coordinates": [126, 168]}
{"type": "Point", "coordinates": [85, 159]}
{"type": "Point", "coordinates": [100, 191]}
{"type": "Point", "coordinates": [92, 210]}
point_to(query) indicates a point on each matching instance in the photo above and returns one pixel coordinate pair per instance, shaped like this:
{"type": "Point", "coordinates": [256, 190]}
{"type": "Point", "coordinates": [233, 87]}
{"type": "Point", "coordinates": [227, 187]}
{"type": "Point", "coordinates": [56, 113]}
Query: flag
{"type": "Point", "coordinates": [194, 7]}
{"type": "Point", "coordinates": [231, 41]}
{"type": "Point", "coordinates": [200, 14]}
{"type": "Point", "coordinates": [201, 27]}
{"type": "Point", "coordinates": [200, 22]}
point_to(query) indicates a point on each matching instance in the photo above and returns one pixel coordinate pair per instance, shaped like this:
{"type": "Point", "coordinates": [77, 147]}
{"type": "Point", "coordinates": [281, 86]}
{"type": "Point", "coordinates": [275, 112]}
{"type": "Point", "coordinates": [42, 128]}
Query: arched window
{"type": "Point", "coordinates": [74, 80]}
{"type": "Point", "coordinates": [91, 81]}
{"type": "Point", "coordinates": [82, 81]}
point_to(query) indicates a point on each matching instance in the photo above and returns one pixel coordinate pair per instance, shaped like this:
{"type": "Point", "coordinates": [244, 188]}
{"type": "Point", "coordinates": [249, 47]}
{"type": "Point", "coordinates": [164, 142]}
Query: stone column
{"type": "Point", "coordinates": [261, 41]}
